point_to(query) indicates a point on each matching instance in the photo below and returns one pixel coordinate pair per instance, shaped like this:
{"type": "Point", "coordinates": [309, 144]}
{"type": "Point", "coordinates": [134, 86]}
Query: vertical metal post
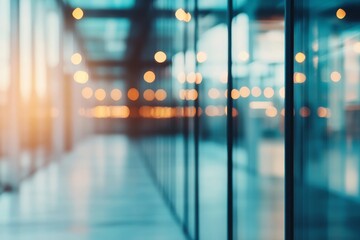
{"type": "Point", "coordinates": [229, 127]}
{"type": "Point", "coordinates": [196, 127]}
{"type": "Point", "coordinates": [289, 120]}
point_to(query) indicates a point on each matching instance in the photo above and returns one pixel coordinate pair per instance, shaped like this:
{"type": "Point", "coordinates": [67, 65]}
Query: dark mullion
{"type": "Point", "coordinates": [289, 120]}
{"type": "Point", "coordinates": [230, 206]}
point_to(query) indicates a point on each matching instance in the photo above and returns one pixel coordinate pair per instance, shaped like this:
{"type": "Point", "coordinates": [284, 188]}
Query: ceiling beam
{"type": "Point", "coordinates": [136, 12]}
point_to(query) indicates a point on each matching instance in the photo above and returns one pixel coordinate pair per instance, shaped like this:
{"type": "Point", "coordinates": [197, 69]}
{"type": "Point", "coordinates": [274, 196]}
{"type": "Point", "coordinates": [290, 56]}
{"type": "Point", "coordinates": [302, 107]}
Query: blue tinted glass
{"type": "Point", "coordinates": [96, 4]}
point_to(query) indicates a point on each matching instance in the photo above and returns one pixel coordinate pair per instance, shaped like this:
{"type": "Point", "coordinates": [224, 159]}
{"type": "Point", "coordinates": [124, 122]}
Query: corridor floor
{"type": "Point", "coordinates": [99, 191]}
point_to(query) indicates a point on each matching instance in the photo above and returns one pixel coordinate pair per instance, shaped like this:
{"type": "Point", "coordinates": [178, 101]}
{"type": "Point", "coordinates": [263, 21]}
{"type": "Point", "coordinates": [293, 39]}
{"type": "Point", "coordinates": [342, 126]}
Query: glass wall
{"type": "Point", "coordinates": [33, 101]}
{"type": "Point", "coordinates": [327, 98]}
{"type": "Point", "coordinates": [190, 165]}
{"type": "Point", "coordinates": [258, 94]}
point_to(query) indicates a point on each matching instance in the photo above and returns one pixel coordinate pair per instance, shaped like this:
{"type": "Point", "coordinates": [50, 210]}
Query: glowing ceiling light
{"type": "Point", "coordinates": [78, 13]}
{"type": "Point", "coordinates": [305, 112]}
{"type": "Point", "coordinates": [268, 92]}
{"type": "Point", "coordinates": [187, 17]}
{"type": "Point", "coordinates": [300, 57]}
{"type": "Point", "coordinates": [160, 95]}
{"type": "Point", "coordinates": [214, 93]}
{"type": "Point", "coordinates": [235, 94]}
{"type": "Point", "coordinates": [149, 95]}
{"type": "Point", "coordinates": [299, 77]}
{"type": "Point", "coordinates": [81, 77]}
{"type": "Point", "coordinates": [244, 92]}
{"type": "Point", "coordinates": [133, 94]}
{"type": "Point", "coordinates": [201, 57]}
{"type": "Point", "coordinates": [100, 94]}
{"type": "Point", "coordinates": [271, 112]}
{"type": "Point", "coordinates": [256, 91]}
{"type": "Point", "coordinates": [76, 58]}
{"type": "Point", "coordinates": [335, 76]}
{"type": "Point", "coordinates": [323, 112]}
{"type": "Point", "coordinates": [180, 14]}
{"type": "Point", "coordinates": [340, 13]}
{"type": "Point", "coordinates": [149, 76]}
{"type": "Point", "coordinates": [87, 93]}
{"type": "Point", "coordinates": [282, 92]}
{"type": "Point", "coordinates": [116, 94]}
{"type": "Point", "coordinates": [160, 57]}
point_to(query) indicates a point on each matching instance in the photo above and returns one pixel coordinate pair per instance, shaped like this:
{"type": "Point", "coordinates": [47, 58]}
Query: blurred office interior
{"type": "Point", "coordinates": [165, 120]}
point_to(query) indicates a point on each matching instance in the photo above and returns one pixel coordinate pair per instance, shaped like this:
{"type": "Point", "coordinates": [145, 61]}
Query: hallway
{"type": "Point", "coordinates": [99, 191]}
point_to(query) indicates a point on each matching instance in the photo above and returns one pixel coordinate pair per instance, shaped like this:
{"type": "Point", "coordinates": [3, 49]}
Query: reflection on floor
{"type": "Point", "coordinates": [100, 191]}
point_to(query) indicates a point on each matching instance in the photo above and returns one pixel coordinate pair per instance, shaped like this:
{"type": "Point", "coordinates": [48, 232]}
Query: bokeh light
{"type": "Point", "coordinates": [81, 77]}
{"type": "Point", "coordinates": [78, 13]}
{"type": "Point", "coordinates": [133, 94]}
{"type": "Point", "coordinates": [160, 57]}
{"type": "Point", "coordinates": [100, 94]}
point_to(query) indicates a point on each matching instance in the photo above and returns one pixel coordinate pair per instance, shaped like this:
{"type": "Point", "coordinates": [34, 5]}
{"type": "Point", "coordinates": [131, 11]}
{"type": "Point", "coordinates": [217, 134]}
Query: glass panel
{"type": "Point", "coordinates": [258, 95]}
{"type": "Point", "coordinates": [212, 65]}
{"type": "Point", "coordinates": [108, 4]}
{"type": "Point", "coordinates": [326, 82]}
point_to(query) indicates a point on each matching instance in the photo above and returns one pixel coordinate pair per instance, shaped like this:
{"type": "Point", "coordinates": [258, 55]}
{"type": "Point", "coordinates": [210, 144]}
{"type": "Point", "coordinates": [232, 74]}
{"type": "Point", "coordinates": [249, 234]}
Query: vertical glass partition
{"type": "Point", "coordinates": [258, 96]}
{"type": "Point", "coordinates": [326, 114]}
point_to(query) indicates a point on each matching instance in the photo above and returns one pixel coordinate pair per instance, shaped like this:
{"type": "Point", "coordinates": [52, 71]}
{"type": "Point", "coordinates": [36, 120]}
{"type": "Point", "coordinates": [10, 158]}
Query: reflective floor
{"type": "Point", "coordinates": [99, 191]}
{"type": "Point", "coordinates": [102, 190]}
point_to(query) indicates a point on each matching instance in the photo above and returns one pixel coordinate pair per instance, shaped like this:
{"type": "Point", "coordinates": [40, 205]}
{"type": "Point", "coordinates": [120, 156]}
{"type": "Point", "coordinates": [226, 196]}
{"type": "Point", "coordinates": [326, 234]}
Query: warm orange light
{"type": "Point", "coordinates": [119, 112]}
{"type": "Point", "coordinates": [300, 57]}
{"type": "Point", "coordinates": [244, 92]}
{"type": "Point", "coordinates": [340, 13]}
{"type": "Point", "coordinates": [199, 78]}
{"type": "Point", "coordinates": [81, 77]}
{"type": "Point", "coordinates": [133, 94]}
{"type": "Point", "coordinates": [304, 112]}
{"type": "Point", "coordinates": [214, 93]}
{"type": "Point", "coordinates": [160, 95]}
{"type": "Point", "coordinates": [244, 56]}
{"type": "Point", "coordinates": [160, 57]}
{"type": "Point", "coordinates": [234, 112]}
{"type": "Point", "coordinates": [182, 94]}
{"type": "Point", "coordinates": [323, 112]}
{"type": "Point", "coordinates": [299, 77]}
{"type": "Point", "coordinates": [235, 94]}
{"type": "Point", "coordinates": [268, 92]}
{"type": "Point", "coordinates": [192, 94]}
{"type": "Point", "coordinates": [256, 91]}
{"type": "Point", "coordinates": [100, 94]}
{"type": "Point", "coordinates": [214, 111]}
{"type": "Point", "coordinates": [76, 58]}
{"type": "Point", "coordinates": [187, 17]}
{"type": "Point", "coordinates": [149, 95]}
{"type": "Point", "coordinates": [87, 93]}
{"type": "Point", "coordinates": [335, 76]}
{"type": "Point", "coordinates": [201, 57]}
{"type": "Point", "coordinates": [149, 76]}
{"type": "Point", "coordinates": [180, 14]}
{"type": "Point", "coordinates": [116, 94]}
{"type": "Point", "coordinates": [78, 13]}
{"type": "Point", "coordinates": [191, 77]}
{"type": "Point", "coordinates": [282, 92]}
{"type": "Point", "coordinates": [271, 111]}
{"type": "Point", "coordinates": [100, 112]}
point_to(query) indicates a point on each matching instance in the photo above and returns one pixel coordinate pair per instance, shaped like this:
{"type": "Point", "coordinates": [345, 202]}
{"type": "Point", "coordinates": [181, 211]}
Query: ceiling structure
{"type": "Point", "coordinates": [118, 37]}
